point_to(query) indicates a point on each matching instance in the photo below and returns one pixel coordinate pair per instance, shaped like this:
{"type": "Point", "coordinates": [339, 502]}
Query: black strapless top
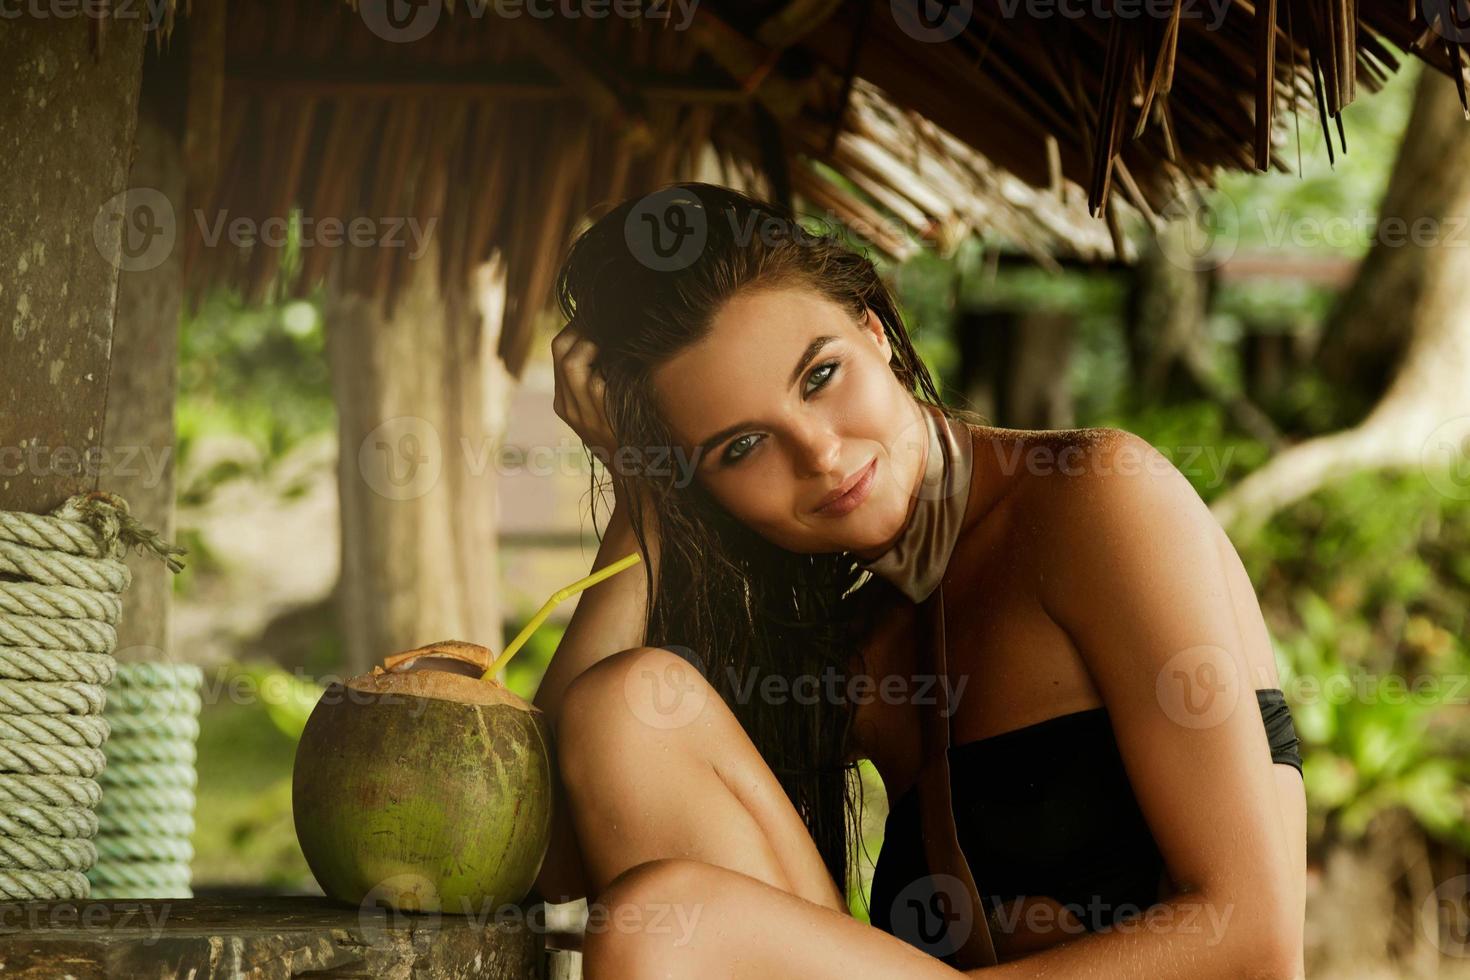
{"type": "Point", "coordinates": [1047, 810]}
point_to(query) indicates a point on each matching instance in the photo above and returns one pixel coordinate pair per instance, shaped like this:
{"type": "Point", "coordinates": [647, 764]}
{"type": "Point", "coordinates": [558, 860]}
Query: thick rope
{"type": "Point", "coordinates": [125, 799]}
{"type": "Point", "coordinates": [32, 664]}
{"type": "Point", "coordinates": [61, 583]}
{"type": "Point", "coordinates": [128, 847]}
{"type": "Point", "coordinates": [140, 775]}
{"type": "Point", "coordinates": [156, 722]}
{"type": "Point", "coordinates": [136, 876]}
{"type": "Point", "coordinates": [146, 818]}
{"type": "Point", "coordinates": [48, 821]}
{"type": "Point", "coordinates": [51, 698]}
{"type": "Point", "coordinates": [139, 825]}
{"type": "Point", "coordinates": [36, 853]}
{"type": "Point", "coordinates": [28, 886]}
{"type": "Point", "coordinates": [49, 791]}
{"type": "Point", "coordinates": [134, 700]}
{"type": "Point", "coordinates": [59, 602]}
{"type": "Point", "coordinates": [50, 760]}
{"type": "Point", "coordinates": [55, 729]}
{"type": "Point", "coordinates": [57, 634]}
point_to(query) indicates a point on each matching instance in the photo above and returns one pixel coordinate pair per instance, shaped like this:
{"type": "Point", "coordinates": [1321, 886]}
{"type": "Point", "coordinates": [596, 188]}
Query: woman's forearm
{"type": "Point", "coordinates": [1187, 936]}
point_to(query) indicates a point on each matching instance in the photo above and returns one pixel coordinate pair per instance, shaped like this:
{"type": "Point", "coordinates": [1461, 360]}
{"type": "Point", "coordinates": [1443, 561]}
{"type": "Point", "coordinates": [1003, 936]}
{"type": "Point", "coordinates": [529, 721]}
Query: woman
{"type": "Point", "coordinates": [779, 453]}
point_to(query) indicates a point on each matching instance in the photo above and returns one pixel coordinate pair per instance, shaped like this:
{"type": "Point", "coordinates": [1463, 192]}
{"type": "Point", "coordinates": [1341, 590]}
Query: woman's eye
{"type": "Point", "coordinates": [830, 367]}
{"type": "Point", "coordinates": [731, 456]}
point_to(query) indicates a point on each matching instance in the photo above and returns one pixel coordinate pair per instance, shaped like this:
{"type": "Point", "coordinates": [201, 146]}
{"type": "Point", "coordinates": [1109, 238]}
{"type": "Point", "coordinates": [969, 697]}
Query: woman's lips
{"type": "Point", "coordinates": [850, 500]}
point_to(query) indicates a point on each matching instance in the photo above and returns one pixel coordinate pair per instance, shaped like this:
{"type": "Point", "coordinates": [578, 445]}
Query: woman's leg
{"type": "Point", "coordinates": [656, 766]}
{"type": "Point", "coordinates": [680, 918]}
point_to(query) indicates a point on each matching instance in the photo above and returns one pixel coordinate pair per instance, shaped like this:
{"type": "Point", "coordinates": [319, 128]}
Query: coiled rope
{"type": "Point", "coordinates": [61, 585]}
{"type": "Point", "coordinates": [146, 817]}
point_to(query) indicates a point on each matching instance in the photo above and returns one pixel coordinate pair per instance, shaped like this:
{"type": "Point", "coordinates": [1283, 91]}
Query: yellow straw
{"type": "Point", "coordinates": [556, 597]}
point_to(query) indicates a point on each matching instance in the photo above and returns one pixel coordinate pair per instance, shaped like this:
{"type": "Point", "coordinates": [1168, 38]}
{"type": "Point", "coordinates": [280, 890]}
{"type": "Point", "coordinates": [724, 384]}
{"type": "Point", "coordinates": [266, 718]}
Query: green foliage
{"type": "Point", "coordinates": [1198, 438]}
{"type": "Point", "coordinates": [1292, 211]}
{"type": "Point", "coordinates": [288, 700]}
{"type": "Point", "coordinates": [1364, 583]}
{"type": "Point", "coordinates": [244, 832]}
{"type": "Point", "coordinates": [257, 372]}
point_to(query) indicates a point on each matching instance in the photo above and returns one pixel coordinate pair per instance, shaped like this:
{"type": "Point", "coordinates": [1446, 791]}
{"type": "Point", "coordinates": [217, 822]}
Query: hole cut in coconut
{"type": "Point", "coordinates": [449, 656]}
{"type": "Point", "coordinates": [449, 670]}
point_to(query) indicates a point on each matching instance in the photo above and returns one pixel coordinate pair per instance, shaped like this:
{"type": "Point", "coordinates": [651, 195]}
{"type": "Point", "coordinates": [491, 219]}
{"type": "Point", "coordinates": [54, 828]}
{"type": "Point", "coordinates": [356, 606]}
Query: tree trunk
{"type": "Point", "coordinates": [1015, 368]}
{"type": "Point", "coordinates": [1367, 332]}
{"type": "Point", "coordinates": [1423, 419]}
{"type": "Point", "coordinates": [66, 135]}
{"type": "Point", "coordinates": [139, 430]}
{"type": "Point", "coordinates": [1168, 301]}
{"type": "Point", "coordinates": [420, 403]}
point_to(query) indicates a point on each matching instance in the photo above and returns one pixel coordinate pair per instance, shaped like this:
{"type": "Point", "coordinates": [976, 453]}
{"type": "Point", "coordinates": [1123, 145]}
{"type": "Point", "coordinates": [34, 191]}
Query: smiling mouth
{"type": "Point", "coordinates": [853, 483]}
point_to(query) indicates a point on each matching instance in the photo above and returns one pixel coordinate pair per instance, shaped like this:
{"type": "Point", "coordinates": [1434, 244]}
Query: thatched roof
{"type": "Point", "coordinates": [510, 130]}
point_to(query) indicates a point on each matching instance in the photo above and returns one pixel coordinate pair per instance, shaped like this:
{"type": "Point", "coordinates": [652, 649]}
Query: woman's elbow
{"type": "Point", "coordinates": [1269, 944]}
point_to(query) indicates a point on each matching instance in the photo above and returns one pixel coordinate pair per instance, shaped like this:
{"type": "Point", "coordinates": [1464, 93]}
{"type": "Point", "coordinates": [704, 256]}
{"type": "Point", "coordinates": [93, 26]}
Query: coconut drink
{"type": "Point", "coordinates": [426, 784]}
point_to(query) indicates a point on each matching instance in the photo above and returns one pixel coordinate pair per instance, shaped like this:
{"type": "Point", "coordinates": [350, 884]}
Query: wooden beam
{"type": "Point", "coordinates": [499, 84]}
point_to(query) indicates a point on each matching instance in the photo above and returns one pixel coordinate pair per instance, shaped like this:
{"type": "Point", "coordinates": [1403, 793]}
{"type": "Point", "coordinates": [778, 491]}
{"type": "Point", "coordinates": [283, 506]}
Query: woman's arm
{"type": "Point", "coordinates": [608, 617]}
{"type": "Point", "coordinates": [1139, 584]}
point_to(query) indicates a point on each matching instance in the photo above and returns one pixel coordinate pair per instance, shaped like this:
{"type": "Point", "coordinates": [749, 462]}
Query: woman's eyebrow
{"type": "Point", "coordinates": [807, 356]}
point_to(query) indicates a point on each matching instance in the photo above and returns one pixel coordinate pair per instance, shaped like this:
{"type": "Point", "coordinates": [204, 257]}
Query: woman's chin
{"type": "Point", "coordinates": [873, 532]}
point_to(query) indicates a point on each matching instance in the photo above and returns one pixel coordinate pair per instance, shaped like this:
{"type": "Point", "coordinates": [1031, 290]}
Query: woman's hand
{"type": "Point", "coordinates": [580, 392]}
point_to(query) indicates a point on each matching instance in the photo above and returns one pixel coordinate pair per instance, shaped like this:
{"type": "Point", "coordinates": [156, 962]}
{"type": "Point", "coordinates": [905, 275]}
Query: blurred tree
{"type": "Point", "coordinates": [420, 399]}
{"type": "Point", "coordinates": [1015, 366]}
{"type": "Point", "coordinates": [1415, 285]}
{"type": "Point", "coordinates": [1400, 281]}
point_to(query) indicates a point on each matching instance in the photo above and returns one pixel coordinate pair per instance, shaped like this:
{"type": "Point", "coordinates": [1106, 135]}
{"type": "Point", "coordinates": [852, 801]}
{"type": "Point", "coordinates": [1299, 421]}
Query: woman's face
{"type": "Point", "coordinates": [787, 400]}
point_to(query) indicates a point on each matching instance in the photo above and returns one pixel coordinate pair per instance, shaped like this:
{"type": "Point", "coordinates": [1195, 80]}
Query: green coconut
{"type": "Point", "coordinates": [425, 787]}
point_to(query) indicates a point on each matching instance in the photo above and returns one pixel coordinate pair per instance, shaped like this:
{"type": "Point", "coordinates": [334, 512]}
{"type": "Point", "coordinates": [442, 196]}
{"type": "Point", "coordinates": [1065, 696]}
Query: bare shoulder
{"type": "Point", "coordinates": [1044, 469]}
{"type": "Point", "coordinates": [1097, 499]}
{"type": "Point", "coordinates": [1061, 473]}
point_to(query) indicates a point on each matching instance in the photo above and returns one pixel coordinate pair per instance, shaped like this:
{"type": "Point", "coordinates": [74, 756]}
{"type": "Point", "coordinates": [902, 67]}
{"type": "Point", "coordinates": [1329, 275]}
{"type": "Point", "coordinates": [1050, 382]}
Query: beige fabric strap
{"type": "Point", "coordinates": [917, 560]}
{"type": "Point", "coordinates": [968, 943]}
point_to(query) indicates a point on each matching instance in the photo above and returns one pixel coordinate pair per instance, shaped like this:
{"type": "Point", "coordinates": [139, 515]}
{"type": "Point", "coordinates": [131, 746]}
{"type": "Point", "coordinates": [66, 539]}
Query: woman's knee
{"type": "Point", "coordinates": [626, 698]}
{"type": "Point", "coordinates": [643, 923]}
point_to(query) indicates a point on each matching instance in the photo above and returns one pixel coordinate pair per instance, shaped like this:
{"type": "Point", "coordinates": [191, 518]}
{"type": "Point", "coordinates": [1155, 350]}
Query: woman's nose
{"type": "Point", "coordinates": [818, 451]}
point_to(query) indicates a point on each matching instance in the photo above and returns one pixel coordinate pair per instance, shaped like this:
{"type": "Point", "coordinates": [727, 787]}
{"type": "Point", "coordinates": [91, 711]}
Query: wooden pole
{"type": "Point", "coordinates": [67, 137]}
{"type": "Point", "coordinates": [139, 429]}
